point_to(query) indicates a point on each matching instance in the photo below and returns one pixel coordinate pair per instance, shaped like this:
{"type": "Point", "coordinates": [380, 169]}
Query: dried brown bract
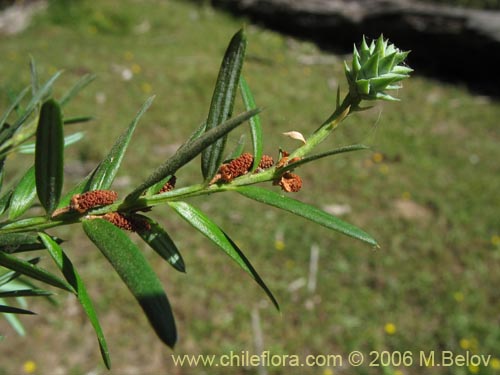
{"type": "Point", "coordinates": [91, 199]}
{"type": "Point", "coordinates": [290, 182]}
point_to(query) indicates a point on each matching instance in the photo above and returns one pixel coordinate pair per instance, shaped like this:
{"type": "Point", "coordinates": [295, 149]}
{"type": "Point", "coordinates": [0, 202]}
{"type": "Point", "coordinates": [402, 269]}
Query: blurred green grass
{"type": "Point", "coordinates": [428, 191]}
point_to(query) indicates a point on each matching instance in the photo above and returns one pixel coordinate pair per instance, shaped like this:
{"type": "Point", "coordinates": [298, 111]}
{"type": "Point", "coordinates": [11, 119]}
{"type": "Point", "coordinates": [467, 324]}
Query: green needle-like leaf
{"type": "Point", "coordinates": [222, 103]}
{"type": "Point", "coordinates": [19, 242]}
{"type": "Point", "coordinates": [13, 320]}
{"type": "Point", "coordinates": [79, 86]}
{"type": "Point", "coordinates": [25, 293]}
{"type": "Point", "coordinates": [28, 269]}
{"type": "Point", "coordinates": [370, 67]}
{"type": "Point", "coordinates": [13, 105]}
{"type": "Point", "coordinates": [136, 273]}
{"type": "Point", "coordinates": [34, 76]}
{"type": "Point", "coordinates": [14, 310]}
{"type": "Point", "coordinates": [255, 126]}
{"type": "Point", "coordinates": [202, 223]}
{"type": "Point", "coordinates": [34, 103]}
{"type": "Point", "coordinates": [72, 276]}
{"type": "Point", "coordinates": [77, 120]}
{"type": "Point", "coordinates": [310, 158]}
{"type": "Point", "coordinates": [49, 154]}
{"type": "Point", "coordinates": [188, 151]}
{"type": "Point", "coordinates": [5, 201]}
{"type": "Point", "coordinates": [23, 195]}
{"type": "Point", "coordinates": [159, 240]}
{"type": "Point", "coordinates": [103, 175]}
{"type": "Point", "coordinates": [309, 212]}
{"type": "Point", "coordinates": [68, 141]}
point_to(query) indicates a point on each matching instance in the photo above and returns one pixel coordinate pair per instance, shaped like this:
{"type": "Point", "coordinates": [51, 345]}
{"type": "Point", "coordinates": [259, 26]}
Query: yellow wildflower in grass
{"type": "Point", "coordinates": [406, 195]}
{"type": "Point", "coordinates": [495, 240]}
{"type": "Point", "coordinates": [377, 157]}
{"type": "Point", "coordinates": [29, 367]}
{"type": "Point", "coordinates": [474, 345]}
{"type": "Point", "coordinates": [327, 371]}
{"type": "Point", "coordinates": [465, 344]}
{"type": "Point", "coordinates": [384, 169]}
{"type": "Point", "coordinates": [136, 68]}
{"type": "Point", "coordinates": [279, 245]}
{"type": "Point", "coordinates": [92, 29]}
{"type": "Point", "coordinates": [458, 296]}
{"type": "Point", "coordinates": [146, 87]}
{"type": "Point", "coordinates": [398, 372]}
{"type": "Point", "coordinates": [129, 56]}
{"type": "Point", "coordinates": [12, 55]}
{"type": "Point", "coordinates": [289, 264]}
{"type": "Point", "coordinates": [473, 369]}
{"type": "Point", "coordinates": [495, 363]}
{"type": "Point", "coordinates": [390, 328]}
{"type": "Point", "coordinates": [52, 69]}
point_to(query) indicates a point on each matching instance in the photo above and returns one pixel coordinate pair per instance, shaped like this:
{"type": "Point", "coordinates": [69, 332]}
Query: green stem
{"type": "Point", "coordinates": [146, 202]}
{"type": "Point", "coordinates": [327, 127]}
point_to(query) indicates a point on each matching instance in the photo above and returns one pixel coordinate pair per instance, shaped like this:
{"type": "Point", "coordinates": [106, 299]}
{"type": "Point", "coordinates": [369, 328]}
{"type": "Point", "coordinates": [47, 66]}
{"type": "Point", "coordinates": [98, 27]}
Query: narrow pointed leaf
{"type": "Point", "coordinates": [363, 86]}
{"type": "Point", "coordinates": [35, 101]}
{"type": "Point", "coordinates": [68, 141]}
{"type": "Point", "coordinates": [28, 269]}
{"type": "Point", "coordinates": [255, 125]}
{"type": "Point", "coordinates": [34, 76]}
{"type": "Point", "coordinates": [384, 96]}
{"type": "Point", "coordinates": [155, 189]}
{"type": "Point", "coordinates": [203, 224]}
{"type": "Point", "coordinates": [25, 293]}
{"type": "Point", "coordinates": [370, 67]}
{"type": "Point", "coordinates": [306, 211]}
{"type": "Point", "coordinates": [387, 63]}
{"type": "Point", "coordinates": [73, 278]}
{"type": "Point", "coordinates": [189, 151]}
{"type": "Point", "coordinates": [23, 195]}
{"type": "Point", "coordinates": [13, 321]}
{"type": "Point", "coordinates": [336, 151]}
{"type": "Point", "coordinates": [11, 276]}
{"type": "Point", "coordinates": [19, 242]}
{"type": "Point", "coordinates": [14, 310]}
{"type": "Point", "coordinates": [159, 240]}
{"type": "Point", "coordinates": [49, 154]}
{"type": "Point", "coordinates": [238, 149]}
{"type": "Point", "coordinates": [136, 273]}
{"type": "Point", "coordinates": [104, 175]}
{"type": "Point", "coordinates": [77, 120]}
{"type": "Point", "coordinates": [222, 104]}
{"type": "Point", "coordinates": [8, 277]}
{"type": "Point", "coordinates": [79, 86]}
{"type": "Point", "coordinates": [5, 201]}
{"type": "Point", "coordinates": [5, 116]}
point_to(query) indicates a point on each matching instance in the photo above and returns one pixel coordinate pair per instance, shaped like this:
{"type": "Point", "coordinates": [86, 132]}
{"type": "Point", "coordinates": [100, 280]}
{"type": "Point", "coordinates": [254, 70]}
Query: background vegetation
{"type": "Point", "coordinates": [427, 191]}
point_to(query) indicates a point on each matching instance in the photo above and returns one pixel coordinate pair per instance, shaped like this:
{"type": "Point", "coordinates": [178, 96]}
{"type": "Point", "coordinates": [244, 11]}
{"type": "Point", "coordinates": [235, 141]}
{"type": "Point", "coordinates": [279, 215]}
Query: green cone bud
{"type": "Point", "coordinates": [376, 68]}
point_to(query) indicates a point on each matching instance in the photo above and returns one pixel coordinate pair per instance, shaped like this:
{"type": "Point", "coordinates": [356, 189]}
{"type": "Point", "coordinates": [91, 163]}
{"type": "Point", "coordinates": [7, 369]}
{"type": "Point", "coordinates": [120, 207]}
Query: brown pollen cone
{"type": "Point", "coordinates": [169, 185]}
{"type": "Point", "coordinates": [266, 162]}
{"type": "Point", "coordinates": [86, 201]}
{"type": "Point", "coordinates": [236, 167]}
{"type": "Point", "coordinates": [127, 222]}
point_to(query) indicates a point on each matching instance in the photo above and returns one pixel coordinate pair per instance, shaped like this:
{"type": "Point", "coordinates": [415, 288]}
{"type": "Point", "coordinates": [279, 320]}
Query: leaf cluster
{"type": "Point", "coordinates": [105, 224]}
